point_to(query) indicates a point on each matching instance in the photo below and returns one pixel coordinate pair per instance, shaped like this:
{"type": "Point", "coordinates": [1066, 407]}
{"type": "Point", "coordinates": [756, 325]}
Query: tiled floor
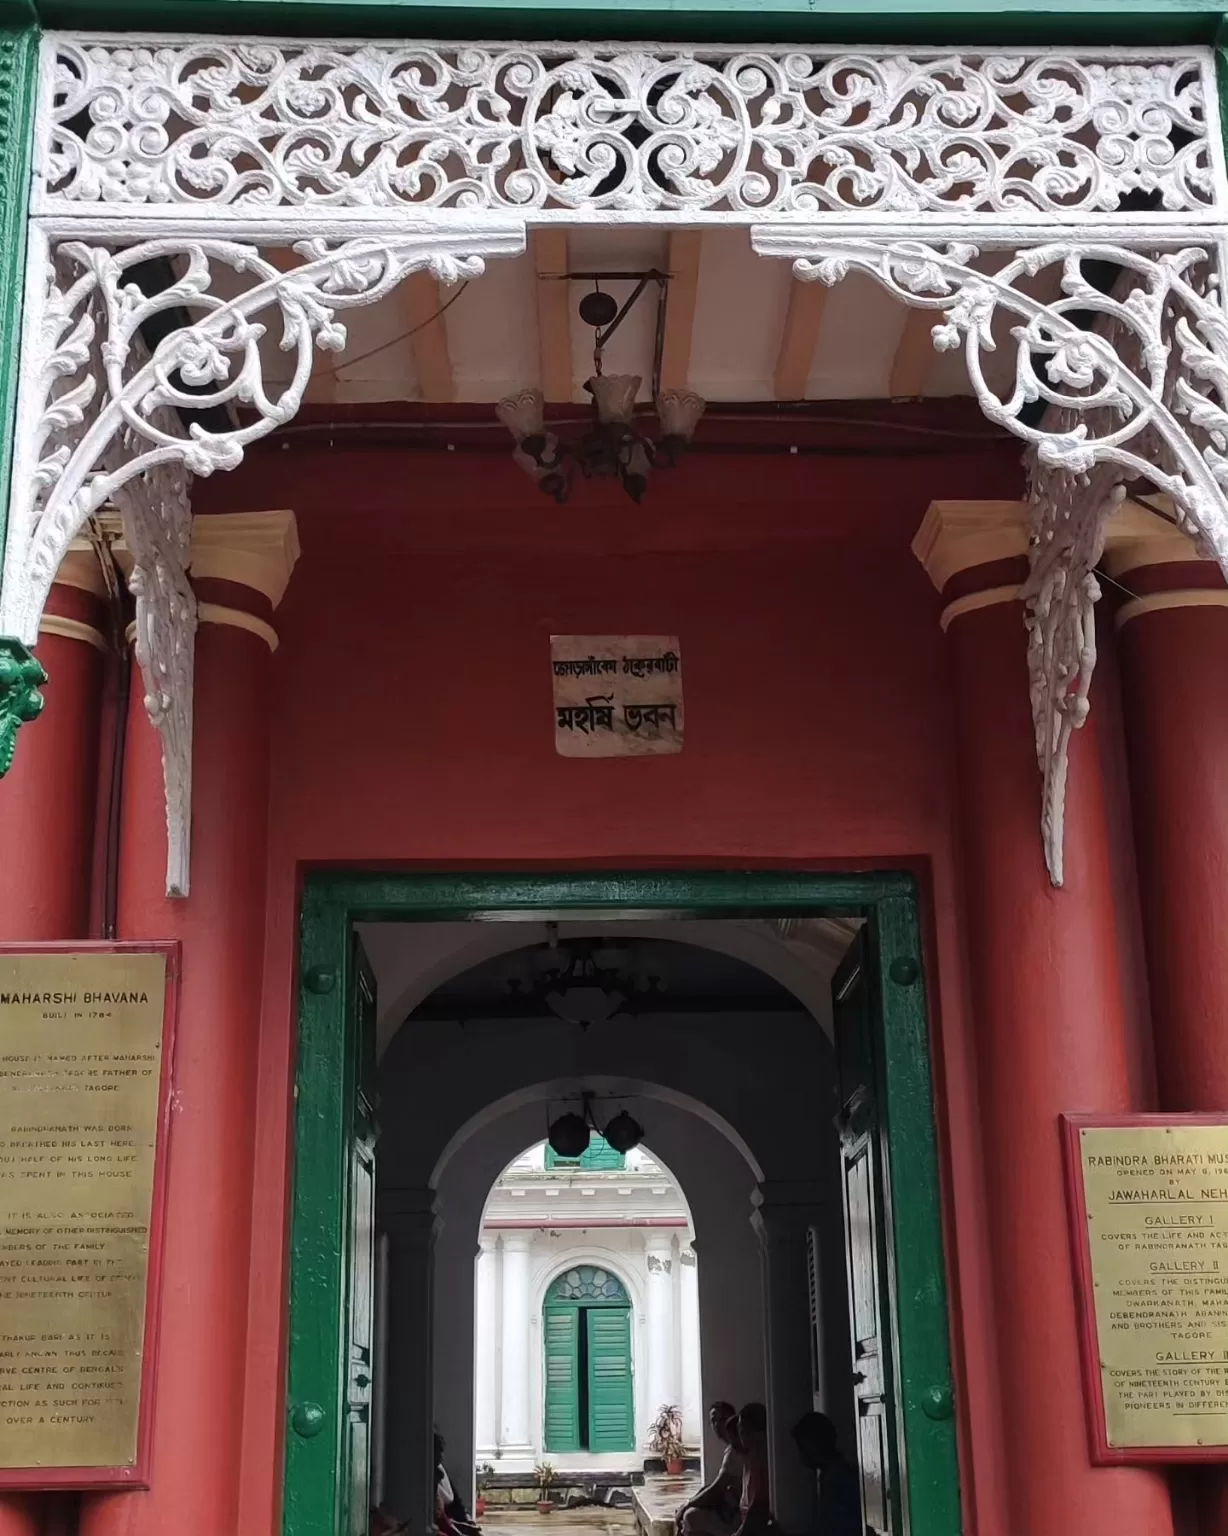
{"type": "Point", "coordinates": [656, 1502]}
{"type": "Point", "coordinates": [560, 1522]}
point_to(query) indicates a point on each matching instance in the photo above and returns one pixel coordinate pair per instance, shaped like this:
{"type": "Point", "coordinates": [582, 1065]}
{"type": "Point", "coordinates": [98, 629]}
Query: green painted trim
{"type": "Point", "coordinates": [21, 676]}
{"type": "Point", "coordinates": [333, 900]}
{"type": "Point", "coordinates": [875, 21]}
{"type": "Point", "coordinates": [925, 1406]}
{"type": "Point", "coordinates": [18, 78]}
{"type": "Point", "coordinates": [316, 1373]}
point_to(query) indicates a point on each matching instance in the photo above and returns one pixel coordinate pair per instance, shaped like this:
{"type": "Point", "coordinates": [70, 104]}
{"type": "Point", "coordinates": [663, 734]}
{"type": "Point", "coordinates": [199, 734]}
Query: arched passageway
{"type": "Point", "coordinates": [750, 1153]}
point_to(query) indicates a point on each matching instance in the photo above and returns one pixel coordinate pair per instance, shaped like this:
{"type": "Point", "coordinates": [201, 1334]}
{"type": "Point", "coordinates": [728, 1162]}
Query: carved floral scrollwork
{"type": "Point", "coordinates": [257, 126]}
{"type": "Point", "coordinates": [104, 420]}
{"type": "Point", "coordinates": [1107, 388]}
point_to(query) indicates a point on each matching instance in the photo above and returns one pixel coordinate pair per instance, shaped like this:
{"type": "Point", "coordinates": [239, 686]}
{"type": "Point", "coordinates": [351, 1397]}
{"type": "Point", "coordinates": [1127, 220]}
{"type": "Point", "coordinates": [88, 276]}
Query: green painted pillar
{"type": "Point", "coordinates": [19, 672]}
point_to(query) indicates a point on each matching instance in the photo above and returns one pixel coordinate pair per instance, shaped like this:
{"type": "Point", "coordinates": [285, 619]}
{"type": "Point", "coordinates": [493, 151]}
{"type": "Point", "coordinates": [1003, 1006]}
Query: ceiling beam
{"type": "Point", "coordinates": [800, 338]}
{"type": "Point", "coordinates": [553, 315]}
{"type": "Point", "coordinates": [914, 356]}
{"type": "Point", "coordinates": [422, 300]}
{"type": "Point", "coordinates": [684, 256]}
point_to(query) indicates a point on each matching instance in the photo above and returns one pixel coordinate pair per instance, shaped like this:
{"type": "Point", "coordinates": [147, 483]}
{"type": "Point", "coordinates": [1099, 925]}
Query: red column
{"type": "Point", "coordinates": [47, 798]}
{"type": "Point", "coordinates": [1174, 648]}
{"type": "Point", "coordinates": [198, 1408]}
{"type": "Point", "coordinates": [1050, 1021]}
{"type": "Point", "coordinates": [47, 815]}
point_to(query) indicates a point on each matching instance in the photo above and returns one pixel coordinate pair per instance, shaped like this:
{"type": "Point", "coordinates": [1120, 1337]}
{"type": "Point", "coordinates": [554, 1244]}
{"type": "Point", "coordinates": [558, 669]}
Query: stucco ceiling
{"type": "Point", "coordinates": [413, 960]}
{"type": "Point", "coordinates": [736, 327]}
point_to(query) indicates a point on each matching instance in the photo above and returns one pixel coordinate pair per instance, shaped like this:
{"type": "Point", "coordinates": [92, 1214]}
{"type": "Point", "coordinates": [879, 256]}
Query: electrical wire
{"type": "Point", "coordinates": [395, 341]}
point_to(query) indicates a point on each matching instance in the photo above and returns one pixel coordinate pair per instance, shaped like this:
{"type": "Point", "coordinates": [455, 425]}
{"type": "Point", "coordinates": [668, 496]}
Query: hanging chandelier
{"type": "Point", "coordinates": [611, 446]}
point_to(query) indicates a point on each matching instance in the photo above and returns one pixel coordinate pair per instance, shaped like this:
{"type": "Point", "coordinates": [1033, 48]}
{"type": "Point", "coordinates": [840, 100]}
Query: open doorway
{"type": "Point", "coordinates": [532, 1322]}
{"type": "Point", "coordinates": [587, 1317]}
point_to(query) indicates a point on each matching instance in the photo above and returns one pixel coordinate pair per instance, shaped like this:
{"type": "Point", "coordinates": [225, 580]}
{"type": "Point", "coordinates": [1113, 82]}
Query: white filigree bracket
{"type": "Point", "coordinates": [99, 416]}
{"type": "Point", "coordinates": [957, 179]}
{"type": "Point", "coordinates": [1107, 388]}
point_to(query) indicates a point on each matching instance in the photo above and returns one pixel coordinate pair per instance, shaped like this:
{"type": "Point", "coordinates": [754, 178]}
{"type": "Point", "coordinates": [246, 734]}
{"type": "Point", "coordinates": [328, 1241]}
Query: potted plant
{"type": "Point", "coordinates": [485, 1473]}
{"type": "Point", "coordinates": [545, 1479]}
{"type": "Point", "coordinates": [665, 1438]}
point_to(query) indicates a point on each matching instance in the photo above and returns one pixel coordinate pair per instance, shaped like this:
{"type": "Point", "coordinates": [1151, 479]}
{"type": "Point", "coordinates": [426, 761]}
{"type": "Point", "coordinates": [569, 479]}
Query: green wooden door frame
{"type": "Point", "coordinates": [333, 901]}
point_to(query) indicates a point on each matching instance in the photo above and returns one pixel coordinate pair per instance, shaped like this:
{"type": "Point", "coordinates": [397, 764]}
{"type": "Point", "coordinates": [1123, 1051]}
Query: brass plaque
{"type": "Point", "coordinates": [1157, 1225]}
{"type": "Point", "coordinates": [80, 1073]}
{"type": "Point", "coordinates": [616, 695]}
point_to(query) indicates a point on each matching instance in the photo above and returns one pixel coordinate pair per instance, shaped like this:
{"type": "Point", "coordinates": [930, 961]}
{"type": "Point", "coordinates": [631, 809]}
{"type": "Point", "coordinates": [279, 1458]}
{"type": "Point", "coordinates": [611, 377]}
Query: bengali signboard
{"type": "Point", "coordinates": [1149, 1213]}
{"type": "Point", "coordinates": [616, 695]}
{"type": "Point", "coordinates": [85, 1039]}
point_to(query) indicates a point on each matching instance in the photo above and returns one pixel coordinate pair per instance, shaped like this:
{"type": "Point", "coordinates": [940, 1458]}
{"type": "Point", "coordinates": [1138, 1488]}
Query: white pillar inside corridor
{"type": "Point", "coordinates": [514, 1413]}
{"type": "Point", "coordinates": [486, 1362]}
{"type": "Point", "coordinates": [692, 1390]}
{"type": "Point", "coordinates": [660, 1341]}
{"type": "Point", "coordinates": [784, 1216]}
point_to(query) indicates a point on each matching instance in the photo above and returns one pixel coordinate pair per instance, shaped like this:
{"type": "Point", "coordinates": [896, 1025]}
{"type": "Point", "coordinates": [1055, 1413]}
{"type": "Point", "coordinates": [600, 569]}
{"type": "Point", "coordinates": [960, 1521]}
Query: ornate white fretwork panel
{"type": "Point", "coordinates": [586, 131]}
{"type": "Point", "coordinates": [275, 184]}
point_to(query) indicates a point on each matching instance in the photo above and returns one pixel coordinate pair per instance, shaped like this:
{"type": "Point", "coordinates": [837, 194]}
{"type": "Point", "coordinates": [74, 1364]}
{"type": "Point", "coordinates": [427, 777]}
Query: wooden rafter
{"type": "Point", "coordinates": [422, 299]}
{"type": "Point", "coordinates": [914, 356]}
{"type": "Point", "coordinates": [684, 255]}
{"type": "Point", "coordinates": [799, 339]}
{"type": "Point", "coordinates": [553, 314]}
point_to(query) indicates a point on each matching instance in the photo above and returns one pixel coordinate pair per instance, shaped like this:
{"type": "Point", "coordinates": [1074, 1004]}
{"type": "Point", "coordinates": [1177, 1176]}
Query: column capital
{"type": "Point", "coordinates": [76, 604]}
{"type": "Point", "coordinates": [786, 1210]}
{"type": "Point", "coordinates": [79, 568]}
{"type": "Point", "coordinates": [248, 549]}
{"type": "Point", "coordinates": [518, 1240]}
{"type": "Point", "coordinates": [409, 1218]}
{"type": "Point", "coordinates": [1137, 536]}
{"type": "Point", "coordinates": [958, 536]}
{"type": "Point", "coordinates": [240, 564]}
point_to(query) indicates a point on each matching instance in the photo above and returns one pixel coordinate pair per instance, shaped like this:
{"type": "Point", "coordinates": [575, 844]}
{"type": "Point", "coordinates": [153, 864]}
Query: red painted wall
{"type": "Point", "coordinates": [411, 722]}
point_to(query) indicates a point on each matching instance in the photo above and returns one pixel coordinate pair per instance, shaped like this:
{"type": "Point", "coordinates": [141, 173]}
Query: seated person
{"type": "Point", "coordinates": [714, 1509]}
{"type": "Point", "coordinates": [754, 1507]}
{"type": "Point", "coordinates": [814, 1434]}
{"type": "Point", "coordinates": [451, 1516]}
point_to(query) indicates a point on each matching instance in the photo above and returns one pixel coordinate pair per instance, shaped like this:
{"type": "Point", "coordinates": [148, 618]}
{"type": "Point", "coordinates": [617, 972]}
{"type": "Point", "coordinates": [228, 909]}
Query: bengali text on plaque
{"type": "Point", "coordinates": [1156, 1199]}
{"type": "Point", "coordinates": [616, 695]}
{"type": "Point", "coordinates": [81, 1039]}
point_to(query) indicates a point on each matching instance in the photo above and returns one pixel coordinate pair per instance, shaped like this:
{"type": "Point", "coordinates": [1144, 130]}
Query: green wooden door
{"type": "Point", "coordinates": [611, 1405]}
{"type": "Point", "coordinates": [561, 1331]}
{"type": "Point", "coordinates": [864, 1175]}
{"type": "Point", "coordinates": [328, 1449]}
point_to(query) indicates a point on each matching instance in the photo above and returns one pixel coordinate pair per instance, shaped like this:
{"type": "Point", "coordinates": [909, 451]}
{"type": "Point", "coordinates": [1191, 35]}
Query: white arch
{"type": "Point", "coordinates": [449, 949]}
{"type": "Point", "coordinates": [560, 1088]}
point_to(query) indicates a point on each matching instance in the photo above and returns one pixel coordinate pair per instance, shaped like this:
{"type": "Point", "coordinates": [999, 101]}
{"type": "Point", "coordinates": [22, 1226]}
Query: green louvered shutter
{"type": "Point", "coordinates": [598, 1155]}
{"type": "Point", "coordinates": [611, 1411]}
{"type": "Point", "coordinates": [561, 1330]}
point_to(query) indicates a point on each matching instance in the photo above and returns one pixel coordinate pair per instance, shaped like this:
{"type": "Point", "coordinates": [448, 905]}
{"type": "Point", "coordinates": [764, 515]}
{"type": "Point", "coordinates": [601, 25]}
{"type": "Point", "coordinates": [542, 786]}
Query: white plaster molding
{"type": "Point", "coordinates": [1156, 602]}
{"type": "Point", "coordinates": [163, 123]}
{"type": "Point", "coordinates": [1142, 394]}
{"type": "Point", "coordinates": [251, 549]}
{"type": "Point", "coordinates": [1136, 536]}
{"type": "Point", "coordinates": [236, 618]}
{"type": "Point", "coordinates": [79, 568]}
{"type": "Point", "coordinates": [73, 629]}
{"type": "Point", "coordinates": [958, 536]}
{"type": "Point", "coordinates": [973, 602]}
